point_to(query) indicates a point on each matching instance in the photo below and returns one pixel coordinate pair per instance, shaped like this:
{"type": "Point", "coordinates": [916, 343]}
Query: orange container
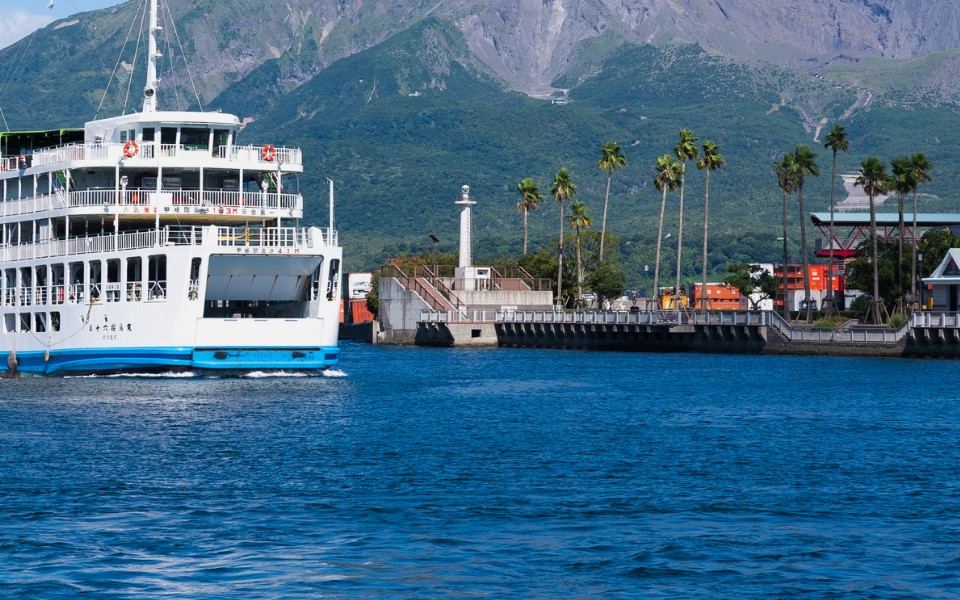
{"type": "Point", "coordinates": [359, 311]}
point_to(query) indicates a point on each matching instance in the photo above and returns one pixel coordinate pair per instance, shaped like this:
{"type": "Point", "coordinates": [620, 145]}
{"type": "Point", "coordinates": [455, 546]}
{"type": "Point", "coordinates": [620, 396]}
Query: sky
{"type": "Point", "coordinates": [21, 17]}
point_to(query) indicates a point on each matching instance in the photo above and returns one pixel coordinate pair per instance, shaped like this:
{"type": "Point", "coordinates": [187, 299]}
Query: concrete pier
{"type": "Point", "coordinates": [752, 332]}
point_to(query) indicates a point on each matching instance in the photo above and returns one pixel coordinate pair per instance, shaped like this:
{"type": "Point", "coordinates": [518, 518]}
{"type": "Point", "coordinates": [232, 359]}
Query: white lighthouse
{"type": "Point", "coordinates": [466, 243]}
{"type": "Point", "coordinates": [467, 274]}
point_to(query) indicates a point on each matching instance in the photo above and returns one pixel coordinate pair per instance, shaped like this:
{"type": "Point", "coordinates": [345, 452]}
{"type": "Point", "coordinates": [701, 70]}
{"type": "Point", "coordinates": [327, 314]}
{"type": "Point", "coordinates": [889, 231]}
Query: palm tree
{"type": "Point", "coordinates": [562, 188]}
{"type": "Point", "coordinates": [874, 180]}
{"type": "Point", "coordinates": [784, 171]}
{"type": "Point", "coordinates": [530, 198]}
{"type": "Point", "coordinates": [902, 183]}
{"type": "Point", "coordinates": [712, 159]}
{"type": "Point", "coordinates": [666, 180]}
{"type": "Point", "coordinates": [685, 150]}
{"type": "Point", "coordinates": [837, 141]}
{"type": "Point", "coordinates": [803, 165]}
{"type": "Point", "coordinates": [611, 157]}
{"type": "Point", "coordinates": [921, 166]}
{"type": "Point", "coordinates": [579, 220]}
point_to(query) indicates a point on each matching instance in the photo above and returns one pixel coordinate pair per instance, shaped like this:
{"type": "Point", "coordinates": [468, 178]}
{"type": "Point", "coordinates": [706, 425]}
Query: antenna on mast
{"type": "Point", "coordinates": [150, 90]}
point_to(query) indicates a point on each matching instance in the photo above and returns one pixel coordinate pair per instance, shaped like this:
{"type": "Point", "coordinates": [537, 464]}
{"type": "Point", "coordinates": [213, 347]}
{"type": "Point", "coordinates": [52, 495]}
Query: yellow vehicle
{"type": "Point", "coordinates": [667, 300]}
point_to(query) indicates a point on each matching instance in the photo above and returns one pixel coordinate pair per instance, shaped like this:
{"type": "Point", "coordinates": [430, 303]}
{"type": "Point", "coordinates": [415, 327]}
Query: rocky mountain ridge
{"type": "Point", "coordinates": [529, 44]}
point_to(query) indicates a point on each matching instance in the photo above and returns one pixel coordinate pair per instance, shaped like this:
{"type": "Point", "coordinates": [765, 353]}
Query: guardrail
{"type": "Point", "coordinates": [279, 156]}
{"type": "Point", "coordinates": [848, 335]}
{"type": "Point", "coordinates": [270, 237]}
{"type": "Point", "coordinates": [935, 320]}
{"type": "Point", "coordinates": [198, 201]}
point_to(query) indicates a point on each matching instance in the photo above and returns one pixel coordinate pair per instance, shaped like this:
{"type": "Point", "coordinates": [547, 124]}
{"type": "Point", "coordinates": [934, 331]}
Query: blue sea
{"type": "Point", "coordinates": [496, 473]}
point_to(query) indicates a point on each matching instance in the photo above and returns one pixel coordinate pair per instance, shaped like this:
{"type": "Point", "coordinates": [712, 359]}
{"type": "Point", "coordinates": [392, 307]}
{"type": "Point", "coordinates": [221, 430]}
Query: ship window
{"type": "Point", "coordinates": [76, 282]}
{"type": "Point", "coordinates": [134, 278]}
{"type": "Point", "coordinates": [220, 138]}
{"type": "Point", "coordinates": [26, 287]}
{"type": "Point", "coordinates": [148, 133]}
{"type": "Point", "coordinates": [112, 287]}
{"type": "Point", "coordinates": [333, 281]}
{"type": "Point", "coordinates": [317, 280]}
{"type": "Point", "coordinates": [168, 135]}
{"type": "Point", "coordinates": [10, 287]}
{"type": "Point", "coordinates": [96, 280]}
{"type": "Point", "coordinates": [55, 321]}
{"type": "Point", "coordinates": [24, 322]}
{"type": "Point", "coordinates": [157, 273]}
{"type": "Point", "coordinates": [192, 138]}
{"type": "Point", "coordinates": [9, 323]}
{"type": "Point", "coordinates": [56, 273]}
{"type": "Point", "coordinates": [193, 291]}
{"type": "Point", "coordinates": [41, 287]}
{"type": "Point", "coordinates": [40, 323]}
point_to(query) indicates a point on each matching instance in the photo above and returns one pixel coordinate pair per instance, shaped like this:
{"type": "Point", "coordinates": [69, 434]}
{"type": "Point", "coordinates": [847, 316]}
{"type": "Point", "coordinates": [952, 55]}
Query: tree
{"type": "Point", "coordinates": [579, 220]}
{"type": "Point", "coordinates": [902, 182]}
{"type": "Point", "coordinates": [685, 150]}
{"type": "Point", "coordinates": [561, 189]}
{"type": "Point", "coordinates": [874, 180]}
{"type": "Point", "coordinates": [754, 282]}
{"type": "Point", "coordinates": [837, 142]}
{"type": "Point", "coordinates": [607, 281]}
{"type": "Point", "coordinates": [711, 159]}
{"type": "Point", "coordinates": [803, 165]}
{"type": "Point", "coordinates": [933, 246]}
{"type": "Point", "coordinates": [666, 180]}
{"type": "Point", "coordinates": [921, 174]}
{"type": "Point", "coordinates": [611, 157]}
{"type": "Point", "coordinates": [530, 198]}
{"type": "Point", "coordinates": [784, 170]}
{"type": "Point", "coordinates": [889, 270]}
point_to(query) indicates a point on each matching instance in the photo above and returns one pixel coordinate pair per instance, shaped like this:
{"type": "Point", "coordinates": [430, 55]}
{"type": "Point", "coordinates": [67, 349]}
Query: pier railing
{"type": "Point", "coordinates": [794, 333]}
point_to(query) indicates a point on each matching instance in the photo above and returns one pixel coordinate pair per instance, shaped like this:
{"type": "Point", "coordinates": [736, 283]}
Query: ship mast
{"type": "Point", "coordinates": [150, 90]}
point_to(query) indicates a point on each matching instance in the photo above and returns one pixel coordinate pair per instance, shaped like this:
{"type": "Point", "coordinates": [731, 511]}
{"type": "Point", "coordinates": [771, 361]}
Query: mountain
{"type": "Point", "coordinates": [403, 102]}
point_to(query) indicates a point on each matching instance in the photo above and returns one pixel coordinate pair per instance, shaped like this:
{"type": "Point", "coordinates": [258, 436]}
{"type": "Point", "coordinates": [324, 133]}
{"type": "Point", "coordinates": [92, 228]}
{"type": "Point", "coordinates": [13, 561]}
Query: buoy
{"type": "Point", "coordinates": [12, 361]}
{"type": "Point", "coordinates": [130, 149]}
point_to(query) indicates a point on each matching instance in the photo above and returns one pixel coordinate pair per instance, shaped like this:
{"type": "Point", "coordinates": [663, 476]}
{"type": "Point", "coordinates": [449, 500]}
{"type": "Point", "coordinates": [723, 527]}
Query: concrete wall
{"type": "Point", "coordinates": [399, 311]}
{"type": "Point", "coordinates": [495, 299]}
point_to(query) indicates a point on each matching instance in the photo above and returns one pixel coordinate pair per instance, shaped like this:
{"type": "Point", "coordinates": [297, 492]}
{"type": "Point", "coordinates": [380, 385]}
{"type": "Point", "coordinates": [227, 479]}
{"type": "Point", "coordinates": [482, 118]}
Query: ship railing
{"type": "Point", "coordinates": [10, 297]}
{"type": "Point", "coordinates": [270, 237]}
{"type": "Point", "coordinates": [134, 290]}
{"type": "Point", "coordinates": [157, 290]}
{"type": "Point", "coordinates": [46, 157]}
{"type": "Point", "coordinates": [58, 293]}
{"type": "Point", "coordinates": [277, 155]}
{"type": "Point", "coordinates": [75, 293]}
{"type": "Point", "coordinates": [273, 237]}
{"type": "Point", "coordinates": [134, 199]}
{"type": "Point", "coordinates": [112, 291]}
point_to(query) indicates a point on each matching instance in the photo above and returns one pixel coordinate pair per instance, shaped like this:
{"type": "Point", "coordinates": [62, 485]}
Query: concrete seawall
{"type": "Point", "coordinates": [727, 333]}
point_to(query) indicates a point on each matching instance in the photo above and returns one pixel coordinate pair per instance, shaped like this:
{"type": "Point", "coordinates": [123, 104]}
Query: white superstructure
{"type": "Point", "coordinates": [155, 240]}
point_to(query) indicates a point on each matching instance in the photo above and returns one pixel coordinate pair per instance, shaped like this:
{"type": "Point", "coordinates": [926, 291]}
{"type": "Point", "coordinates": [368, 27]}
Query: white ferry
{"type": "Point", "coordinates": [158, 241]}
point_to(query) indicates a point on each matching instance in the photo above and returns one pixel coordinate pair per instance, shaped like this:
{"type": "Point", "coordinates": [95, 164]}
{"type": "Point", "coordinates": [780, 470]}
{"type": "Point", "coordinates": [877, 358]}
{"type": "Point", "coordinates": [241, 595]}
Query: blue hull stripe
{"type": "Point", "coordinates": [90, 360]}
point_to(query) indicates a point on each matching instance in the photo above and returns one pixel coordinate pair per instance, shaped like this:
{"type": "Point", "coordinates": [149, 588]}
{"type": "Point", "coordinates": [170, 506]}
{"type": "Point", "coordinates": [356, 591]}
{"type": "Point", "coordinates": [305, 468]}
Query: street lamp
{"type": "Point", "coordinates": [435, 241]}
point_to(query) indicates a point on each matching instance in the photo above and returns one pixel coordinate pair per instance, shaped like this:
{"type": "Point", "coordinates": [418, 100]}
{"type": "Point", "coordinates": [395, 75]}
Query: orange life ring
{"type": "Point", "coordinates": [130, 149]}
{"type": "Point", "coordinates": [268, 153]}
{"type": "Point", "coordinates": [135, 199]}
